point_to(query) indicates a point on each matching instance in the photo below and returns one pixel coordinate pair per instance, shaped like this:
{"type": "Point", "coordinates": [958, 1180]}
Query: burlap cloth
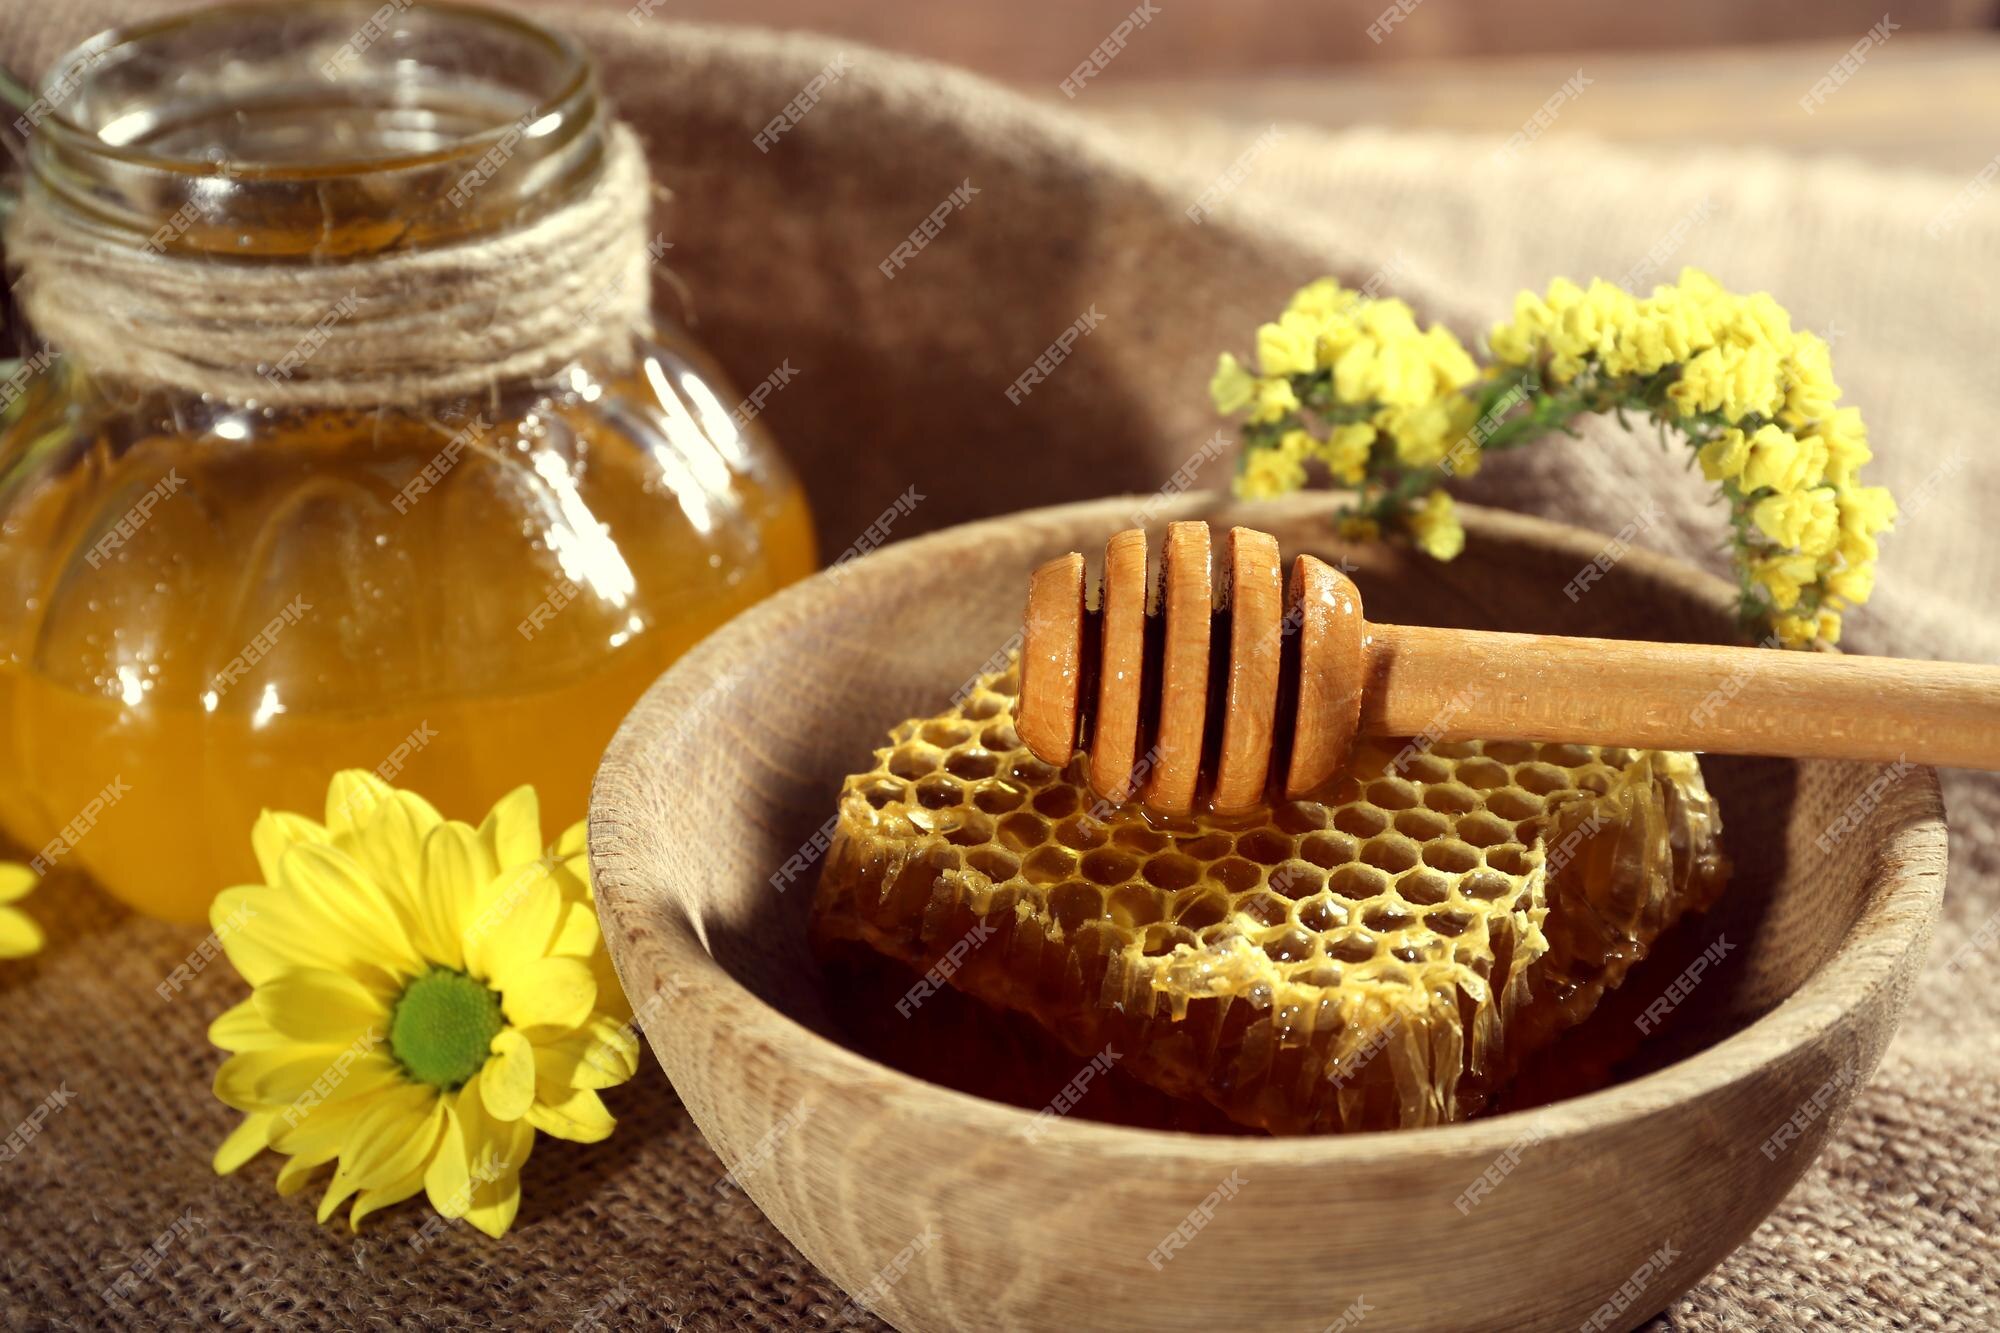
{"type": "Point", "coordinates": [902, 382]}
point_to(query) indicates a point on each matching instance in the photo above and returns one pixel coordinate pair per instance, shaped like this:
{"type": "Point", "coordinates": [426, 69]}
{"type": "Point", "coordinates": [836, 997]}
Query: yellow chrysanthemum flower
{"type": "Point", "coordinates": [19, 935]}
{"type": "Point", "coordinates": [426, 996]}
{"type": "Point", "coordinates": [1435, 525]}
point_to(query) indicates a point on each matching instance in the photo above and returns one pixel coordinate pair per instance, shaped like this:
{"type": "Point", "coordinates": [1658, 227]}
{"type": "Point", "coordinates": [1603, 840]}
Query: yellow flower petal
{"type": "Point", "coordinates": [507, 1083]}
{"type": "Point", "coordinates": [390, 848]}
{"type": "Point", "coordinates": [497, 1150]}
{"type": "Point", "coordinates": [578, 936]}
{"type": "Point", "coordinates": [250, 1137]}
{"type": "Point", "coordinates": [448, 1178]}
{"type": "Point", "coordinates": [350, 907]}
{"type": "Point", "coordinates": [299, 1169]}
{"type": "Point", "coordinates": [351, 797]}
{"type": "Point", "coordinates": [274, 833]}
{"type": "Point", "coordinates": [549, 992]}
{"type": "Point", "coordinates": [16, 881]}
{"type": "Point", "coordinates": [394, 1137]}
{"type": "Point", "coordinates": [454, 865]}
{"type": "Point", "coordinates": [241, 1028]}
{"type": "Point", "coordinates": [374, 1200]}
{"type": "Point", "coordinates": [19, 935]}
{"type": "Point", "coordinates": [580, 1118]}
{"type": "Point", "coordinates": [600, 1054]}
{"type": "Point", "coordinates": [514, 924]}
{"type": "Point", "coordinates": [257, 1080]}
{"type": "Point", "coordinates": [512, 830]}
{"type": "Point", "coordinates": [316, 1005]}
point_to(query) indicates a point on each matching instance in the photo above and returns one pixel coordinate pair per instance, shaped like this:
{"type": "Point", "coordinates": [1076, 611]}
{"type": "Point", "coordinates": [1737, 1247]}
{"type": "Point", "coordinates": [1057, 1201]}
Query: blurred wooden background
{"type": "Point", "coordinates": [1039, 41]}
{"type": "Point", "coordinates": [1670, 75]}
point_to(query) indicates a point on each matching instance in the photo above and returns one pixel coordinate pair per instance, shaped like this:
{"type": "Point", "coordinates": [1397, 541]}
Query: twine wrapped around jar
{"type": "Point", "coordinates": [394, 329]}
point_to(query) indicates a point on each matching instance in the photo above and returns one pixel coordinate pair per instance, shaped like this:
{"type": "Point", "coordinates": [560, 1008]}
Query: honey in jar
{"type": "Point", "coordinates": [211, 603]}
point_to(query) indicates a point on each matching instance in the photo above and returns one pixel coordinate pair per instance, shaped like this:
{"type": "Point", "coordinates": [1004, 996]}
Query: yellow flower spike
{"type": "Point", "coordinates": [1269, 472]}
{"type": "Point", "coordinates": [1755, 397]}
{"type": "Point", "coordinates": [426, 996]}
{"type": "Point", "coordinates": [1345, 451]}
{"type": "Point", "coordinates": [1724, 457]}
{"type": "Point", "coordinates": [1796, 631]}
{"type": "Point", "coordinates": [1290, 346]}
{"type": "Point", "coordinates": [1231, 387]}
{"type": "Point", "coordinates": [1785, 577]}
{"type": "Point", "coordinates": [1782, 462]}
{"type": "Point", "coordinates": [19, 935]}
{"type": "Point", "coordinates": [1853, 586]}
{"type": "Point", "coordinates": [1435, 525]}
{"type": "Point", "coordinates": [1272, 399]}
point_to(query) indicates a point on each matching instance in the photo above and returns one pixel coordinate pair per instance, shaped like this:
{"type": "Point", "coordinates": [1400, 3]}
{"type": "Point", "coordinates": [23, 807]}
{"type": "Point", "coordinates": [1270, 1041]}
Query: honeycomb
{"type": "Point", "coordinates": [1383, 956]}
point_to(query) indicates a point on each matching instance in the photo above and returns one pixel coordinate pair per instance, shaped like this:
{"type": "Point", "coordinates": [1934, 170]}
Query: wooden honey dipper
{"type": "Point", "coordinates": [1349, 677]}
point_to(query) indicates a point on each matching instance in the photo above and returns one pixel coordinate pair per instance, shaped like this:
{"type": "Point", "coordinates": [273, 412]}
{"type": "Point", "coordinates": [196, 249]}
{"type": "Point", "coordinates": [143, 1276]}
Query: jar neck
{"type": "Point", "coordinates": [274, 131]}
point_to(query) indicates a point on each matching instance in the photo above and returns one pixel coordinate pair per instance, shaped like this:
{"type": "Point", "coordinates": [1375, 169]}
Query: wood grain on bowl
{"type": "Point", "coordinates": [940, 1210]}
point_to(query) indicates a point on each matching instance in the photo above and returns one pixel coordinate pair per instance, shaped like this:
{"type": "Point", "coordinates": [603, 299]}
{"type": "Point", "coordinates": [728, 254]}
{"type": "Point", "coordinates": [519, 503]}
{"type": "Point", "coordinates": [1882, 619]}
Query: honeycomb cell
{"type": "Point", "coordinates": [1260, 965]}
{"type": "Point", "coordinates": [1023, 831]}
{"type": "Point", "coordinates": [1236, 874]}
{"type": "Point", "coordinates": [1082, 832]}
{"type": "Point", "coordinates": [1048, 864]}
{"type": "Point", "coordinates": [969, 829]}
{"type": "Point", "coordinates": [1360, 821]}
{"type": "Point", "coordinates": [946, 734]}
{"type": "Point", "coordinates": [938, 791]}
{"type": "Point", "coordinates": [914, 761]}
{"type": "Point", "coordinates": [1542, 779]}
{"type": "Point", "coordinates": [1391, 853]}
{"type": "Point", "coordinates": [1483, 830]}
{"type": "Point", "coordinates": [998, 796]}
{"type": "Point", "coordinates": [1297, 817]}
{"type": "Point", "coordinates": [972, 765]}
{"type": "Point", "coordinates": [1266, 847]}
{"type": "Point", "coordinates": [1266, 909]}
{"type": "Point", "coordinates": [1512, 804]}
{"type": "Point", "coordinates": [1451, 799]}
{"type": "Point", "coordinates": [1298, 879]}
{"type": "Point", "coordinates": [1421, 825]}
{"type": "Point", "coordinates": [1358, 882]}
{"type": "Point", "coordinates": [1425, 888]}
{"type": "Point", "coordinates": [1171, 870]}
{"type": "Point", "coordinates": [1327, 849]}
{"type": "Point", "coordinates": [1055, 802]}
{"type": "Point", "coordinates": [1392, 794]}
{"type": "Point", "coordinates": [1109, 866]}
{"type": "Point", "coordinates": [1450, 855]}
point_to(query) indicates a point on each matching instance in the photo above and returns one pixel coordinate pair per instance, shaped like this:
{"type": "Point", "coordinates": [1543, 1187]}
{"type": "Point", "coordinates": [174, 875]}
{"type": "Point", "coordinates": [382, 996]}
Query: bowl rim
{"type": "Point", "coordinates": [1895, 919]}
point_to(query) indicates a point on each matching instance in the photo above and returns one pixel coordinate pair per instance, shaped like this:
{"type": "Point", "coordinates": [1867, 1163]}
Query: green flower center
{"type": "Point", "coordinates": [442, 1027]}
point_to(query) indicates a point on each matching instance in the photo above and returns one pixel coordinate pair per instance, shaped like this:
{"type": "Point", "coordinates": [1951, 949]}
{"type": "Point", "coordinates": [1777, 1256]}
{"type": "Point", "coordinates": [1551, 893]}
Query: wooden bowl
{"type": "Point", "coordinates": [712, 807]}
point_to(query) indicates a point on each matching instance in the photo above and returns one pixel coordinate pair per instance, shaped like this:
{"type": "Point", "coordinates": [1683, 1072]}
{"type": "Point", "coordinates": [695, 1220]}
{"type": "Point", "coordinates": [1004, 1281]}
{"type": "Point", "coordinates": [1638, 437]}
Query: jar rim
{"type": "Point", "coordinates": [573, 71]}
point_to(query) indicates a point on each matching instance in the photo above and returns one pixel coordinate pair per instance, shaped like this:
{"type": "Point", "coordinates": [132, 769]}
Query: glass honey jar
{"type": "Point", "coordinates": [461, 572]}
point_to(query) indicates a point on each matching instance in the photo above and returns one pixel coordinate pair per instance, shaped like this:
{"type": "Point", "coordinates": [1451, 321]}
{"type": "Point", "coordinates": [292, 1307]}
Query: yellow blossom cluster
{"type": "Point", "coordinates": [1759, 400]}
{"type": "Point", "coordinates": [1353, 383]}
{"type": "Point", "coordinates": [1388, 379]}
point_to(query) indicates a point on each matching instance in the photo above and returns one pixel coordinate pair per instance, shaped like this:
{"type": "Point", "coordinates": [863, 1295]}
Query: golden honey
{"type": "Point", "coordinates": [1383, 956]}
{"type": "Point", "coordinates": [289, 606]}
